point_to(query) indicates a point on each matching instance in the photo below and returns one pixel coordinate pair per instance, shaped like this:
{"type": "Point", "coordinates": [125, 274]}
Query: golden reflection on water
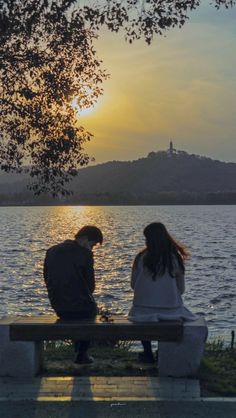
{"type": "Point", "coordinates": [67, 220]}
{"type": "Point", "coordinates": [26, 233]}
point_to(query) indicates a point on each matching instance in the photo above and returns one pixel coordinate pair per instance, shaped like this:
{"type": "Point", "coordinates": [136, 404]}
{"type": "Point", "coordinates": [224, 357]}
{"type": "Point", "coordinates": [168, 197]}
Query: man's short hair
{"type": "Point", "coordinates": [91, 232]}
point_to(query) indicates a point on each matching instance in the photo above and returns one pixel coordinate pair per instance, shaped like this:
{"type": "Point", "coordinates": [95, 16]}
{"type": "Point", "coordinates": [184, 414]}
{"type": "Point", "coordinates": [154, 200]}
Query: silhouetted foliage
{"type": "Point", "coordinates": [48, 60]}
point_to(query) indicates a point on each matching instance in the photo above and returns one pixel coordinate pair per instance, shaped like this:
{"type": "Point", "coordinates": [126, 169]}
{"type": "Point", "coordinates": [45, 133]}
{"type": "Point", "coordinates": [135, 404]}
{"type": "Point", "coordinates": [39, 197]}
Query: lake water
{"type": "Point", "coordinates": [208, 231]}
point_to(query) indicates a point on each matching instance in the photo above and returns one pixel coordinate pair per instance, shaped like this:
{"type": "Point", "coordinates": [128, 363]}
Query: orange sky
{"type": "Point", "coordinates": [182, 87]}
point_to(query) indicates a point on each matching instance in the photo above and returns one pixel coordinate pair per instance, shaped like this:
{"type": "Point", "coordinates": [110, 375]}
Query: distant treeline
{"type": "Point", "coordinates": [162, 198]}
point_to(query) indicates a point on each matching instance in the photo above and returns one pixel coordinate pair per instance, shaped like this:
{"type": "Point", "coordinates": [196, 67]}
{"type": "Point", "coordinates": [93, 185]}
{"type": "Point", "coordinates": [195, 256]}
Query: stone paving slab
{"type": "Point", "coordinates": [98, 388]}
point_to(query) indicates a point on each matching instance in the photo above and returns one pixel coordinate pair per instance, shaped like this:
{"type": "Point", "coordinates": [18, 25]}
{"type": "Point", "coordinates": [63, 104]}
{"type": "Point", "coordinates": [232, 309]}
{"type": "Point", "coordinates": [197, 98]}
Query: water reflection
{"type": "Point", "coordinates": [208, 231]}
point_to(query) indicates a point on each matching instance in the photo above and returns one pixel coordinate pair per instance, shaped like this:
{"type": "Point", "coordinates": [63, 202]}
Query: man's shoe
{"type": "Point", "coordinates": [83, 358]}
{"type": "Point", "coordinates": [146, 358]}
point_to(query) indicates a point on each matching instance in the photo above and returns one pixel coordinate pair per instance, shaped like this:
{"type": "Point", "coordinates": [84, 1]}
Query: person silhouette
{"type": "Point", "coordinates": [70, 282]}
{"type": "Point", "coordinates": [158, 282]}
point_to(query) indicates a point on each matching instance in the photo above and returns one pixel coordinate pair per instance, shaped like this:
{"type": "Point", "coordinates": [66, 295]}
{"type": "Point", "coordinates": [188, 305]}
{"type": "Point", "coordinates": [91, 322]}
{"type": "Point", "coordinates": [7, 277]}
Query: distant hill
{"type": "Point", "coordinates": [161, 177]}
{"type": "Point", "coordinates": [158, 172]}
{"type": "Point", "coordinates": [10, 182]}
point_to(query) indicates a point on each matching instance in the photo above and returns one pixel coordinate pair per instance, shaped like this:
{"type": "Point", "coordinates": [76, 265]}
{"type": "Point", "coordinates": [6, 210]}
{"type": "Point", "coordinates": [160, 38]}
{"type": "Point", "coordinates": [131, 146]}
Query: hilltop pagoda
{"type": "Point", "coordinates": [171, 149]}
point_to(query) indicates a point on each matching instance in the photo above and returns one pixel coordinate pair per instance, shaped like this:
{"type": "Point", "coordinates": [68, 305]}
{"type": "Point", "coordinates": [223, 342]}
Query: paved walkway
{"type": "Point", "coordinates": [109, 397]}
{"type": "Point", "coordinates": [98, 389]}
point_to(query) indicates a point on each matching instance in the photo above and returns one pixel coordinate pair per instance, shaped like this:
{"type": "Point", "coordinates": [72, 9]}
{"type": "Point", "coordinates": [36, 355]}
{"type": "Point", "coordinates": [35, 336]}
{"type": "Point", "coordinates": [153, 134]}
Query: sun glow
{"type": "Point", "coordinates": [81, 111]}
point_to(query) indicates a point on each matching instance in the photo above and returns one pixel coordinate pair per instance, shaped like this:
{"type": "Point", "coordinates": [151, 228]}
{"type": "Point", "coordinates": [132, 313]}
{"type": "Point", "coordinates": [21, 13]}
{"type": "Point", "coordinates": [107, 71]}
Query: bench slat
{"type": "Point", "coordinates": [39, 329]}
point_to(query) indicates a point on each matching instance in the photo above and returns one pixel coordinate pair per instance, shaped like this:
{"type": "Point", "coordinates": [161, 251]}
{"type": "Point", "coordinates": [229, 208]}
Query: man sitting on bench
{"type": "Point", "coordinates": [69, 278]}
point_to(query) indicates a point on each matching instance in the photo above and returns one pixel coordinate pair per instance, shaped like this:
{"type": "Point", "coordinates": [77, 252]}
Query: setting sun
{"type": "Point", "coordinates": [81, 111]}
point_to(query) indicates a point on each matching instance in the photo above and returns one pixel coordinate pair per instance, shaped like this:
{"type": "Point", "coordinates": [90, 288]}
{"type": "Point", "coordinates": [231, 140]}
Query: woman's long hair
{"type": "Point", "coordinates": [161, 250]}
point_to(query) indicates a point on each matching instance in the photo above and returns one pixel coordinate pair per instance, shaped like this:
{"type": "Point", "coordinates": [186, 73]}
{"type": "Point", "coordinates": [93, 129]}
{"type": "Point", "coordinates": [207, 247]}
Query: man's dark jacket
{"type": "Point", "coordinates": [69, 277]}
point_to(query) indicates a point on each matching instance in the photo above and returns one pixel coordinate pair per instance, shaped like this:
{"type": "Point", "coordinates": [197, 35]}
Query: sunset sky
{"type": "Point", "coordinates": [182, 87]}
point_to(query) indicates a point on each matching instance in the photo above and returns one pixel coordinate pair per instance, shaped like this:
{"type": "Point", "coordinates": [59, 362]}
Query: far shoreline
{"type": "Point", "coordinates": [8, 205]}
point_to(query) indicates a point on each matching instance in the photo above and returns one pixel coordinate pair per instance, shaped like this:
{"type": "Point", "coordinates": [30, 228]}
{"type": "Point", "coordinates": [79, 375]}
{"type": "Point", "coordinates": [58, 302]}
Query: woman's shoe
{"type": "Point", "coordinates": [147, 358]}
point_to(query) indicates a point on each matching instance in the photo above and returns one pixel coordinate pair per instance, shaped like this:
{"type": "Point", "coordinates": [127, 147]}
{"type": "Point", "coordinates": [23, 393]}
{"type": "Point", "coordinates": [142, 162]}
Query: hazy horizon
{"type": "Point", "coordinates": [95, 162]}
{"type": "Point", "coordinates": [189, 151]}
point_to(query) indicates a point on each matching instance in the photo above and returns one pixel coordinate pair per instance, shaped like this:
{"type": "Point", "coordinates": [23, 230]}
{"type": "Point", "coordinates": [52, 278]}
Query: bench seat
{"type": "Point", "coordinates": [44, 328]}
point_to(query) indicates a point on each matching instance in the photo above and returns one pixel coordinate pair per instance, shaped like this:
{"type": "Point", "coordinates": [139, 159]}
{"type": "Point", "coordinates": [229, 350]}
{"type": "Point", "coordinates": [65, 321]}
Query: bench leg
{"type": "Point", "coordinates": [183, 358]}
{"type": "Point", "coordinates": [18, 358]}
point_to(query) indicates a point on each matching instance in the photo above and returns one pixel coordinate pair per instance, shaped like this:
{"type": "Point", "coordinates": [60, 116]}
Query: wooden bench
{"type": "Point", "coordinates": [44, 328]}
{"type": "Point", "coordinates": [21, 337]}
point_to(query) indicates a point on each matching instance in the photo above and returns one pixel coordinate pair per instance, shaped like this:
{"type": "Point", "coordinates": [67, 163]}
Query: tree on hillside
{"type": "Point", "coordinates": [48, 61]}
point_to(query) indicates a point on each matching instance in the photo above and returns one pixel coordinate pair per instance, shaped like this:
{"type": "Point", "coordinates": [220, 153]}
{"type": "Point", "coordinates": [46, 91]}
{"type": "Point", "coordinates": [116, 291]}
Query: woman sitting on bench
{"type": "Point", "coordinates": [158, 282]}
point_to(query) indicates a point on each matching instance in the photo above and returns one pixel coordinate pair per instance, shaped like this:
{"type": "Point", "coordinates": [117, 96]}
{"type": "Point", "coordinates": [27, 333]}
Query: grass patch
{"type": "Point", "coordinates": [111, 359]}
{"type": "Point", "coordinates": [217, 373]}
